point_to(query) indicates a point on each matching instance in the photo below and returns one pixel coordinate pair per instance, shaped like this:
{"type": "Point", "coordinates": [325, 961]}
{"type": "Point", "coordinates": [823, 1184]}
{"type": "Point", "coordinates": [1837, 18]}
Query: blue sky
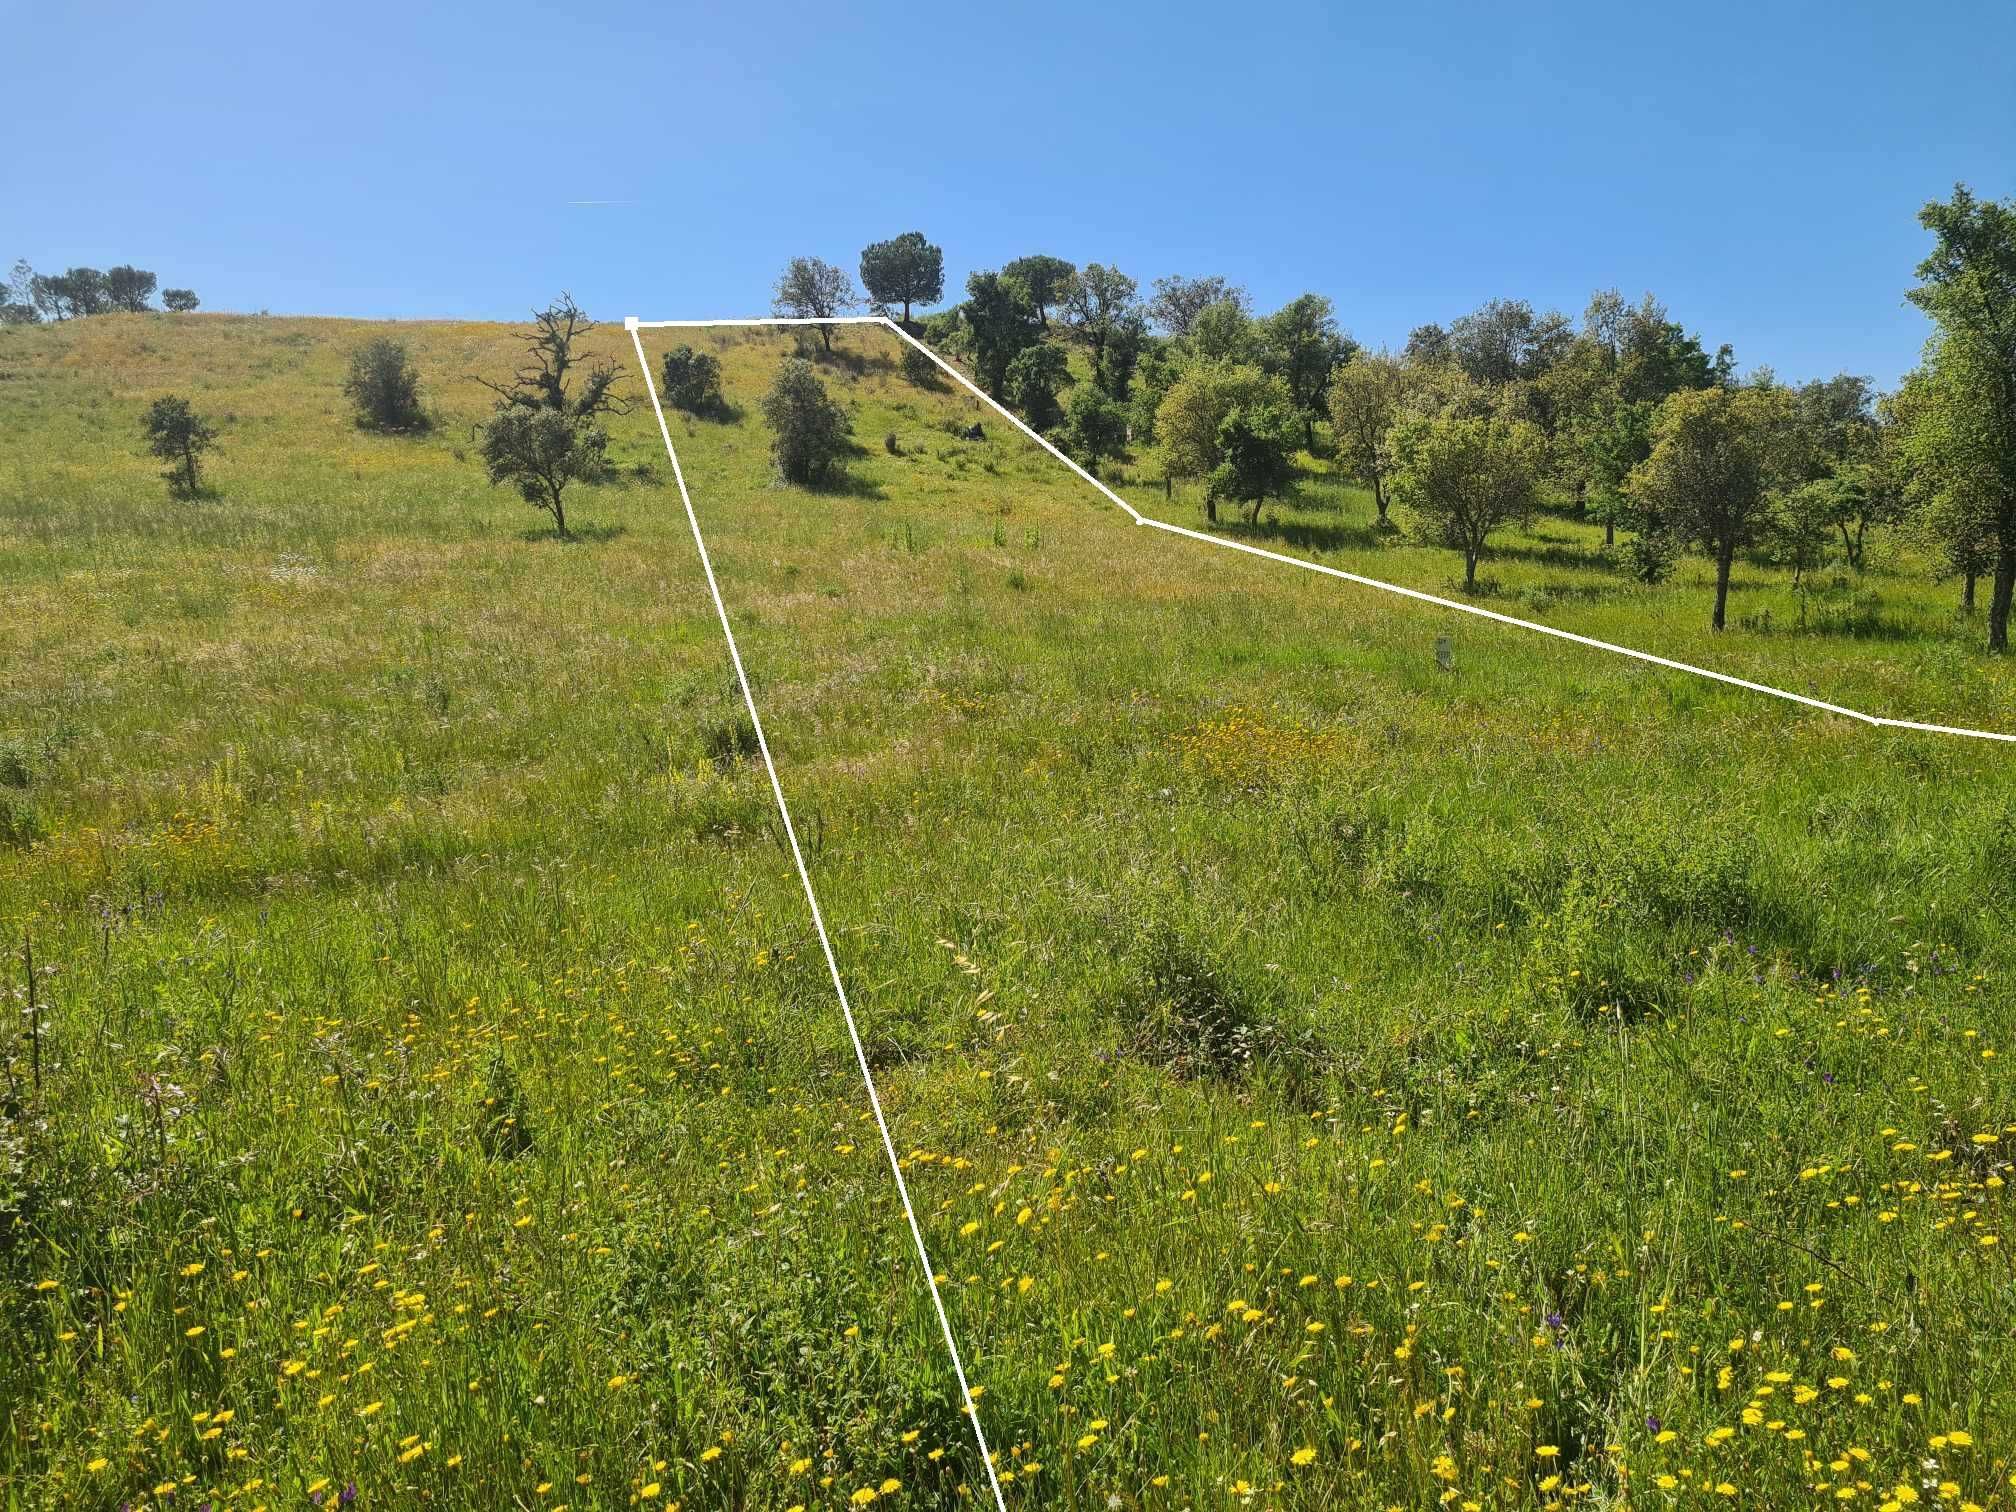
{"type": "Point", "coordinates": [1758, 166]}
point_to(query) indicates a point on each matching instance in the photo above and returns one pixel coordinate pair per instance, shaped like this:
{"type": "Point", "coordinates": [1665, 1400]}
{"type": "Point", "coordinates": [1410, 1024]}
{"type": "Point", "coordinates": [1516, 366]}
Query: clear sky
{"type": "Point", "coordinates": [1757, 165]}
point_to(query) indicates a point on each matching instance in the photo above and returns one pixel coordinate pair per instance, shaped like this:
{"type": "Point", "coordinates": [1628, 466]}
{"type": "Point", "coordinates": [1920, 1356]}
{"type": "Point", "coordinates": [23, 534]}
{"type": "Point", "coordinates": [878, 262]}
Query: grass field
{"type": "Point", "coordinates": [1325, 1080]}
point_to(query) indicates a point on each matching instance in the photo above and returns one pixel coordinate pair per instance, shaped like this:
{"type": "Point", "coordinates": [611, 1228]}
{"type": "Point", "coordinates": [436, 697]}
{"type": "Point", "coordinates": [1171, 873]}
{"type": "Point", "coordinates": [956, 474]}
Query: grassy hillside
{"type": "Point", "coordinates": [1325, 1080]}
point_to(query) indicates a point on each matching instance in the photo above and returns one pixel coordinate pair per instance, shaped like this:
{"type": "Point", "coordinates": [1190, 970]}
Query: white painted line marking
{"type": "Point", "coordinates": [819, 922]}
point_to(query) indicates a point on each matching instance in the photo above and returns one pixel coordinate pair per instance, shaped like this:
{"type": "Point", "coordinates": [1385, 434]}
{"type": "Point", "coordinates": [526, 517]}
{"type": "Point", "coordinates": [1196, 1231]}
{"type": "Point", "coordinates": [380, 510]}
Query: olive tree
{"type": "Point", "coordinates": [544, 433]}
{"type": "Point", "coordinates": [179, 436]}
{"type": "Point", "coordinates": [1461, 477]}
{"type": "Point", "coordinates": [1718, 457]}
{"type": "Point", "coordinates": [1367, 396]}
{"type": "Point", "coordinates": [813, 290]}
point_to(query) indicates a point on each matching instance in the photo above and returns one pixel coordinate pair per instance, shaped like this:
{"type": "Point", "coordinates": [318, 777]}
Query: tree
{"type": "Point", "coordinates": [1095, 305]}
{"type": "Point", "coordinates": [1302, 344]}
{"type": "Point", "coordinates": [1222, 332]}
{"type": "Point", "coordinates": [179, 436]}
{"type": "Point", "coordinates": [692, 381]}
{"type": "Point", "coordinates": [904, 270]}
{"type": "Point", "coordinates": [1033, 381]}
{"type": "Point", "coordinates": [1000, 323]}
{"type": "Point", "coordinates": [1717, 457]}
{"type": "Point", "coordinates": [1189, 419]}
{"type": "Point", "coordinates": [1094, 426]}
{"type": "Point", "coordinates": [82, 291]}
{"type": "Point", "coordinates": [810, 431]}
{"type": "Point", "coordinates": [384, 386]}
{"type": "Point", "coordinates": [17, 307]}
{"type": "Point", "coordinates": [543, 433]}
{"type": "Point", "coordinates": [1048, 280]}
{"type": "Point", "coordinates": [1613, 442]}
{"type": "Point", "coordinates": [1964, 437]}
{"type": "Point", "coordinates": [181, 301]}
{"type": "Point", "coordinates": [1460, 479]}
{"type": "Point", "coordinates": [1113, 370]}
{"type": "Point", "coordinates": [1367, 396]}
{"type": "Point", "coordinates": [554, 378]}
{"type": "Point", "coordinates": [541, 451]}
{"type": "Point", "coordinates": [813, 290]}
{"type": "Point", "coordinates": [128, 288]}
{"type": "Point", "coordinates": [1952, 474]}
{"type": "Point", "coordinates": [1503, 340]}
{"type": "Point", "coordinates": [1427, 346]}
{"type": "Point", "coordinates": [1177, 302]}
{"type": "Point", "coordinates": [1255, 445]}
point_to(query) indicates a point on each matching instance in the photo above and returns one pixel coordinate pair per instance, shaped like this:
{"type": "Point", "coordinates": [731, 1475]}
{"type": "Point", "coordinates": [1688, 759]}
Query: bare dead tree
{"type": "Point", "coordinates": [556, 377]}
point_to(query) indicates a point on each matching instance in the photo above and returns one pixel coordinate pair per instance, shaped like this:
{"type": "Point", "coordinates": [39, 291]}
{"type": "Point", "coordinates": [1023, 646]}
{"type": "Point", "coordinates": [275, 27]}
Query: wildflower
{"type": "Point", "coordinates": [1302, 1456]}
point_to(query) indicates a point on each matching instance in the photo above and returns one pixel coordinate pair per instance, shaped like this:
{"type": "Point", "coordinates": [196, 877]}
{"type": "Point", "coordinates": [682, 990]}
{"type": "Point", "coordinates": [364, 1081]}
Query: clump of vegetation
{"type": "Point", "coordinates": [691, 381]}
{"type": "Point", "coordinates": [904, 270]}
{"type": "Point", "coordinates": [1188, 1010]}
{"type": "Point", "coordinates": [1462, 478]}
{"type": "Point", "coordinates": [918, 368]}
{"type": "Point", "coordinates": [503, 1120]}
{"type": "Point", "coordinates": [384, 387]}
{"type": "Point", "coordinates": [180, 437]}
{"type": "Point", "coordinates": [546, 430]}
{"type": "Point", "coordinates": [811, 434]}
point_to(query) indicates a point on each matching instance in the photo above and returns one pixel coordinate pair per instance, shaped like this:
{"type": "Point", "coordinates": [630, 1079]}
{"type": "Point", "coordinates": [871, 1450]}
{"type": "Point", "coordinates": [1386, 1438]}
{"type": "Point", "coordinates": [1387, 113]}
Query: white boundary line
{"type": "Point", "coordinates": [812, 900]}
{"type": "Point", "coordinates": [1878, 720]}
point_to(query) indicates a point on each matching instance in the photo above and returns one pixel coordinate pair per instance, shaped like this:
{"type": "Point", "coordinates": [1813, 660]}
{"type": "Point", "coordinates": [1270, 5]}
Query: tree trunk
{"type": "Point", "coordinates": [1308, 432]}
{"type": "Point", "coordinates": [906, 314]}
{"type": "Point", "coordinates": [1724, 558]}
{"type": "Point", "coordinates": [826, 335]}
{"type": "Point", "coordinates": [1967, 594]}
{"type": "Point", "coordinates": [1998, 605]}
{"type": "Point", "coordinates": [559, 513]}
{"type": "Point", "coordinates": [1379, 497]}
{"type": "Point", "coordinates": [1255, 520]}
{"type": "Point", "coordinates": [1610, 532]}
{"type": "Point", "coordinates": [1470, 555]}
{"type": "Point", "coordinates": [1210, 509]}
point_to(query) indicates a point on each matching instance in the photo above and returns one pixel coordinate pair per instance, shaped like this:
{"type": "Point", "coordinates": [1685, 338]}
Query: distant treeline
{"type": "Point", "coordinates": [33, 297]}
{"type": "Point", "coordinates": [1625, 416]}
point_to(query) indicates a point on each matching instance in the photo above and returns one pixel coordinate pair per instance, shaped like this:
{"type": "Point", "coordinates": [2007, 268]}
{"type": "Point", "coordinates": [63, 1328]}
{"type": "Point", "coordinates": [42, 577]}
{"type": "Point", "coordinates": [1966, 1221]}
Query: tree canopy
{"type": "Point", "coordinates": [904, 270]}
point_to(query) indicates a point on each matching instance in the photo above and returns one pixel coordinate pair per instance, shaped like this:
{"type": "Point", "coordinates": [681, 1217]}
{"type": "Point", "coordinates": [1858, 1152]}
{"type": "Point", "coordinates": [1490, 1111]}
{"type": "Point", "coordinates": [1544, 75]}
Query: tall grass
{"type": "Point", "coordinates": [1326, 1079]}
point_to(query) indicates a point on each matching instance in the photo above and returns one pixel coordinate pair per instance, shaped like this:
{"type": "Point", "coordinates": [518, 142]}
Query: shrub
{"type": "Point", "coordinates": [384, 387]}
{"type": "Point", "coordinates": [693, 382]}
{"type": "Point", "coordinates": [918, 368]}
{"type": "Point", "coordinates": [812, 431]}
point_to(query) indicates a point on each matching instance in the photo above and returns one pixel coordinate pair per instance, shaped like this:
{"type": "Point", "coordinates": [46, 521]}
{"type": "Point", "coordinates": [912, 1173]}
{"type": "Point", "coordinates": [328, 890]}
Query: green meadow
{"type": "Point", "coordinates": [1326, 1079]}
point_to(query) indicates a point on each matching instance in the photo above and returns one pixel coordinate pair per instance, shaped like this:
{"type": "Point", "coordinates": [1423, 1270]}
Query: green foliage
{"type": "Point", "coordinates": [1095, 428]}
{"type": "Point", "coordinates": [1717, 457]}
{"type": "Point", "coordinates": [1255, 445]}
{"type": "Point", "coordinates": [128, 288]}
{"type": "Point", "coordinates": [1034, 379]}
{"type": "Point", "coordinates": [1368, 395]}
{"type": "Point", "coordinates": [179, 301]}
{"type": "Point", "coordinates": [1301, 344]}
{"type": "Point", "coordinates": [918, 368]}
{"type": "Point", "coordinates": [1188, 420]}
{"type": "Point", "coordinates": [904, 270]}
{"type": "Point", "coordinates": [1461, 479]}
{"type": "Point", "coordinates": [179, 436]}
{"type": "Point", "coordinates": [692, 381]}
{"type": "Point", "coordinates": [810, 432]}
{"type": "Point", "coordinates": [809, 289]}
{"type": "Point", "coordinates": [1222, 332]}
{"type": "Point", "coordinates": [384, 387]}
{"type": "Point", "coordinates": [540, 452]}
{"type": "Point", "coordinates": [1177, 303]}
{"type": "Point", "coordinates": [1000, 324]}
{"type": "Point", "coordinates": [503, 1119]}
{"type": "Point", "coordinates": [1048, 281]}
